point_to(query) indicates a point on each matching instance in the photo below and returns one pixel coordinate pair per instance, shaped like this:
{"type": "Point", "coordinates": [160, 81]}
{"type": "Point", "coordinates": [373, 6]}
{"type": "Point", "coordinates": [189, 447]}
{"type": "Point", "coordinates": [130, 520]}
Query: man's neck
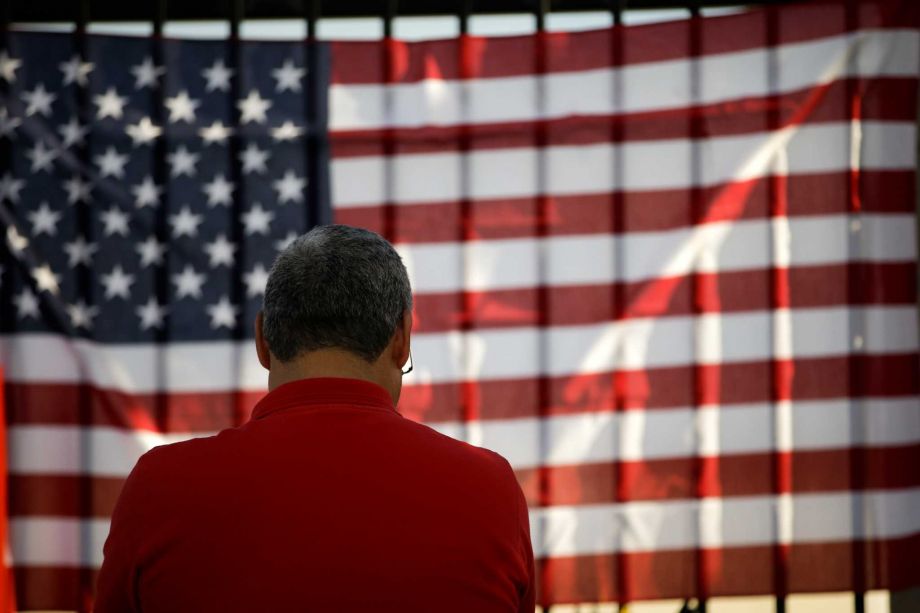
{"type": "Point", "coordinates": [330, 362]}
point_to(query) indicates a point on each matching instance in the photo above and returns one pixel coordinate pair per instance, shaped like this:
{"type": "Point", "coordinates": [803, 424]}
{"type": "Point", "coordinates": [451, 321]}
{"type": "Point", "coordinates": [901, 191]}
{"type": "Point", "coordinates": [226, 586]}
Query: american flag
{"type": "Point", "coordinates": [668, 271]}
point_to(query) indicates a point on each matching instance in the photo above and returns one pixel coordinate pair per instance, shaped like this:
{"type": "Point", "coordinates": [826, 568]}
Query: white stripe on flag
{"type": "Point", "coordinates": [727, 522]}
{"type": "Point", "coordinates": [559, 440]}
{"type": "Point", "coordinates": [511, 353]}
{"type": "Point", "coordinates": [589, 529]}
{"type": "Point", "coordinates": [590, 259]}
{"type": "Point", "coordinates": [586, 169]}
{"type": "Point", "coordinates": [652, 86]}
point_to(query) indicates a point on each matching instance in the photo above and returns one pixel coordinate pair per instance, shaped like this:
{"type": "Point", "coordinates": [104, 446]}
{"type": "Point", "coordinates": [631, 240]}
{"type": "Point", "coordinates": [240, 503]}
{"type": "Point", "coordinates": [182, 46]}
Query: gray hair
{"type": "Point", "coordinates": [335, 286]}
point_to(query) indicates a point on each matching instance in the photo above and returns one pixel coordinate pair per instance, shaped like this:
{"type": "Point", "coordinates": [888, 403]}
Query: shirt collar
{"type": "Point", "coordinates": [324, 391]}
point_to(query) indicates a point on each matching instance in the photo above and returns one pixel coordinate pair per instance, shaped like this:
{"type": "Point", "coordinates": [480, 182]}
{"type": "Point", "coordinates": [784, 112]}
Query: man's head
{"type": "Point", "coordinates": [337, 303]}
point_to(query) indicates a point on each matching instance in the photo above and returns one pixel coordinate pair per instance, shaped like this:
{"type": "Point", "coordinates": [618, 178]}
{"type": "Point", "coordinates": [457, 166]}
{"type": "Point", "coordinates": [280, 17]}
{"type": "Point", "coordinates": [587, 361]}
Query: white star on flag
{"type": "Point", "coordinates": [151, 314]}
{"type": "Point", "coordinates": [255, 280]}
{"type": "Point", "coordinates": [217, 132]}
{"type": "Point", "coordinates": [77, 189]}
{"type": "Point", "coordinates": [42, 157]}
{"type": "Point", "coordinates": [290, 187]}
{"type": "Point", "coordinates": [143, 132]}
{"type": "Point", "coordinates": [8, 66]}
{"type": "Point", "coordinates": [146, 73]}
{"type": "Point", "coordinates": [181, 107]}
{"type": "Point", "coordinates": [185, 223]}
{"type": "Point", "coordinates": [15, 240]}
{"type": "Point", "coordinates": [147, 193]}
{"type": "Point", "coordinates": [182, 162]}
{"type": "Point", "coordinates": [254, 159]}
{"type": "Point", "coordinates": [151, 251]}
{"type": "Point", "coordinates": [73, 133]}
{"type": "Point", "coordinates": [115, 221]}
{"type": "Point", "coordinates": [26, 304]}
{"type": "Point", "coordinates": [111, 163]}
{"type": "Point", "coordinates": [38, 101]}
{"type": "Point", "coordinates": [220, 251]}
{"type": "Point", "coordinates": [76, 71]}
{"type": "Point", "coordinates": [81, 314]}
{"type": "Point", "coordinates": [117, 283]}
{"type": "Point", "coordinates": [288, 77]}
{"type": "Point", "coordinates": [253, 108]}
{"type": "Point", "coordinates": [110, 104]}
{"type": "Point", "coordinates": [188, 283]}
{"type": "Point", "coordinates": [286, 131]}
{"type": "Point", "coordinates": [79, 252]}
{"type": "Point", "coordinates": [285, 242]}
{"type": "Point", "coordinates": [10, 187]}
{"type": "Point", "coordinates": [219, 191]}
{"type": "Point", "coordinates": [8, 124]}
{"type": "Point", "coordinates": [44, 220]}
{"type": "Point", "coordinates": [46, 280]}
{"type": "Point", "coordinates": [217, 77]}
{"type": "Point", "coordinates": [257, 220]}
{"type": "Point", "coordinates": [223, 314]}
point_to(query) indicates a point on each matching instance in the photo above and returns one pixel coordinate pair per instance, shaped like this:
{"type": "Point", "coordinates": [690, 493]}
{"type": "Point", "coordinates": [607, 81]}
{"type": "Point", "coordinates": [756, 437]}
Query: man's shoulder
{"type": "Point", "coordinates": [476, 458]}
{"type": "Point", "coordinates": [183, 453]}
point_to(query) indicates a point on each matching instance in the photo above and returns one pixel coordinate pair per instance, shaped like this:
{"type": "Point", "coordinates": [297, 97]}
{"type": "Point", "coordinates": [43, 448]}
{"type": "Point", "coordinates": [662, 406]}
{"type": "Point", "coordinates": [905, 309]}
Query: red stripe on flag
{"type": "Point", "coordinates": [48, 403]}
{"type": "Point", "coordinates": [893, 99]}
{"type": "Point", "coordinates": [56, 588]}
{"type": "Point", "coordinates": [726, 292]}
{"type": "Point", "coordinates": [733, 571]}
{"type": "Point", "coordinates": [889, 375]}
{"type": "Point", "coordinates": [816, 567]}
{"type": "Point", "coordinates": [359, 62]}
{"type": "Point", "coordinates": [744, 382]}
{"type": "Point", "coordinates": [723, 476]}
{"type": "Point", "coordinates": [598, 483]}
{"type": "Point", "coordinates": [7, 586]}
{"type": "Point", "coordinates": [646, 211]}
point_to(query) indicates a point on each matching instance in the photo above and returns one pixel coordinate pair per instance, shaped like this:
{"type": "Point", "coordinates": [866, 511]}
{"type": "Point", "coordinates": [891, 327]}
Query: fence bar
{"type": "Point", "coordinates": [161, 269]}
{"type": "Point", "coordinates": [236, 14]}
{"type": "Point", "coordinates": [7, 312]}
{"type": "Point", "coordinates": [541, 9]}
{"type": "Point", "coordinates": [776, 189]}
{"type": "Point", "coordinates": [468, 390]}
{"type": "Point", "coordinates": [314, 136]}
{"type": "Point", "coordinates": [84, 274]}
{"type": "Point", "coordinates": [390, 10]}
{"type": "Point", "coordinates": [618, 294]}
{"type": "Point", "coordinates": [616, 10]}
{"type": "Point", "coordinates": [857, 324]}
{"type": "Point", "coordinates": [696, 130]}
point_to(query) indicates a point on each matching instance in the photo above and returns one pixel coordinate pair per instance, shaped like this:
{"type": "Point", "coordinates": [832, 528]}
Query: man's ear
{"type": "Point", "coordinates": [265, 355]}
{"type": "Point", "coordinates": [401, 340]}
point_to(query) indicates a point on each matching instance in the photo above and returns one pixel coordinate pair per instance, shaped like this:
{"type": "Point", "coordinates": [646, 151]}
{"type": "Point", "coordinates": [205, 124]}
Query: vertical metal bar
{"type": "Point", "coordinates": [702, 382]}
{"type": "Point", "coordinates": [466, 231]}
{"type": "Point", "coordinates": [617, 295]}
{"type": "Point", "coordinates": [237, 292]}
{"type": "Point", "coordinates": [541, 139]}
{"type": "Point", "coordinates": [463, 17]}
{"type": "Point", "coordinates": [616, 11]}
{"type": "Point", "coordinates": [7, 312]}
{"type": "Point", "coordinates": [84, 287]}
{"type": "Point", "coordinates": [315, 134]}
{"type": "Point", "coordinates": [388, 135]}
{"type": "Point", "coordinates": [776, 190]}
{"type": "Point", "coordinates": [857, 324]}
{"type": "Point", "coordinates": [161, 214]}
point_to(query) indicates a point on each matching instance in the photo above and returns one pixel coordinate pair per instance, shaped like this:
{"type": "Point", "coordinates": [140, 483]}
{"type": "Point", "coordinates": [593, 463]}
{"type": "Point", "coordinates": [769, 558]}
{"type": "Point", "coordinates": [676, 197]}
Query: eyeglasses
{"type": "Point", "coordinates": [408, 370]}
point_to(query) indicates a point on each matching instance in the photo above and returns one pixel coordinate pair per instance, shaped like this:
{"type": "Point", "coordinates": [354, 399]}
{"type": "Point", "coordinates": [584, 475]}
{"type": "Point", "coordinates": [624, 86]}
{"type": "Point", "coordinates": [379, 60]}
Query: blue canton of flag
{"type": "Point", "coordinates": [149, 183]}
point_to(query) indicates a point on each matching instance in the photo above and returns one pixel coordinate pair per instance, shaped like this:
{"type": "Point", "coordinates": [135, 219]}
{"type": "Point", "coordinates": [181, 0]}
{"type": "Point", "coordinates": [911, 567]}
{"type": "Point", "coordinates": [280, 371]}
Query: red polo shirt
{"type": "Point", "coordinates": [326, 500]}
